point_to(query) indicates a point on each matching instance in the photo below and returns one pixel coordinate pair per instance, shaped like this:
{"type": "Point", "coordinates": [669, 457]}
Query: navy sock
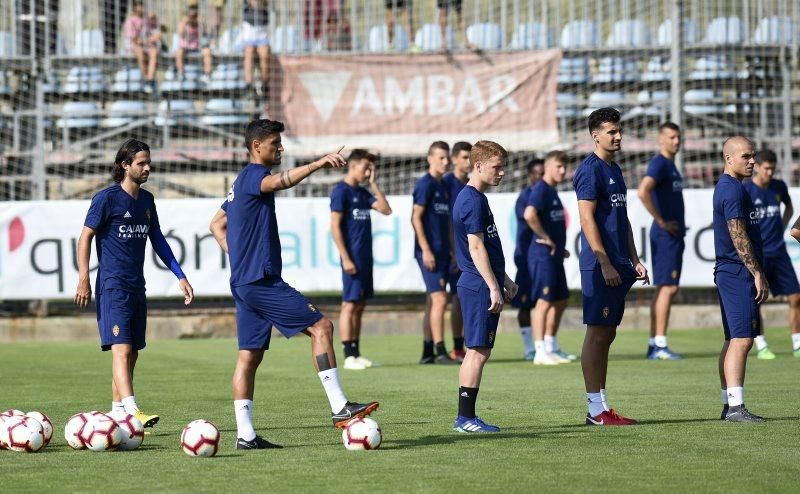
{"type": "Point", "coordinates": [458, 344]}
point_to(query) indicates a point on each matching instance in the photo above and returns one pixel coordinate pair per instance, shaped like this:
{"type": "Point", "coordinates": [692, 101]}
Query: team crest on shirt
{"type": "Point", "coordinates": [148, 214]}
{"type": "Point", "coordinates": [778, 197]}
{"type": "Point", "coordinates": [754, 323]}
{"type": "Point", "coordinates": [442, 282]}
{"type": "Point", "coordinates": [545, 290]}
{"type": "Point", "coordinates": [312, 308]}
{"type": "Point", "coordinates": [674, 274]}
{"type": "Point", "coordinates": [605, 312]}
{"type": "Point", "coordinates": [491, 336]}
{"type": "Point", "coordinates": [115, 330]}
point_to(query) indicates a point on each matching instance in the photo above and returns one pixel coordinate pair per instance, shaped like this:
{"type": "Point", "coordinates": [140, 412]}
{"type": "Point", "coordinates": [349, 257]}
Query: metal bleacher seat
{"type": "Point", "coordinates": [627, 33]}
{"type": "Point", "coordinates": [658, 68]}
{"type": "Point", "coordinates": [172, 83]}
{"type": "Point", "coordinates": [85, 79]}
{"type": "Point", "coordinates": [485, 36]}
{"type": "Point", "coordinates": [378, 40]}
{"type": "Point", "coordinates": [227, 77]}
{"type": "Point", "coordinates": [88, 42]}
{"type": "Point", "coordinates": [124, 112]}
{"type": "Point", "coordinates": [226, 45]}
{"type": "Point", "coordinates": [533, 36]}
{"type": "Point", "coordinates": [567, 106]}
{"type": "Point", "coordinates": [600, 99]}
{"type": "Point", "coordinates": [650, 104]}
{"type": "Point", "coordinates": [79, 115]}
{"type": "Point", "coordinates": [127, 80]}
{"type": "Point", "coordinates": [702, 102]}
{"type": "Point", "coordinates": [174, 112]}
{"type": "Point", "coordinates": [429, 38]}
{"type": "Point", "coordinates": [712, 67]}
{"type": "Point", "coordinates": [775, 30]}
{"type": "Point", "coordinates": [577, 34]}
{"type": "Point", "coordinates": [6, 50]}
{"type": "Point", "coordinates": [289, 39]}
{"type": "Point", "coordinates": [224, 112]}
{"type": "Point", "coordinates": [725, 31]}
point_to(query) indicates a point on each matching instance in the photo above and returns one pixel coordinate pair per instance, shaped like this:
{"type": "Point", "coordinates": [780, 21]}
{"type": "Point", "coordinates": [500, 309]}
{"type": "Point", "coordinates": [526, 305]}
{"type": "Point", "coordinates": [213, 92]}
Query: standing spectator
{"type": "Point", "coordinates": [111, 14]}
{"type": "Point", "coordinates": [253, 39]}
{"type": "Point", "coordinates": [143, 39]}
{"type": "Point", "coordinates": [403, 7]}
{"type": "Point", "coordinates": [193, 40]}
{"type": "Point", "coordinates": [337, 34]}
{"type": "Point", "coordinates": [444, 11]}
{"type": "Point", "coordinates": [317, 14]}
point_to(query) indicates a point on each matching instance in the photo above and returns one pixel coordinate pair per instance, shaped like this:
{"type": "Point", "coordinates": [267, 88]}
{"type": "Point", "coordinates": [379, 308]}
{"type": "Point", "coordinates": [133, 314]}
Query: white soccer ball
{"type": "Point", "coordinates": [131, 428]}
{"type": "Point", "coordinates": [200, 438]}
{"type": "Point", "coordinates": [100, 433]}
{"type": "Point", "coordinates": [23, 434]}
{"type": "Point", "coordinates": [74, 428]}
{"type": "Point", "coordinates": [11, 412]}
{"type": "Point", "coordinates": [362, 434]}
{"type": "Point", "coordinates": [47, 424]}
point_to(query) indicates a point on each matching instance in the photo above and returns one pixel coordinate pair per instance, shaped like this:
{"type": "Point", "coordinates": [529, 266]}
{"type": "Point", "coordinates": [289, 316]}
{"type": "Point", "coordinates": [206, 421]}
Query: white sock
{"type": "Point", "coordinates": [550, 344]}
{"type": "Point", "coordinates": [761, 343]}
{"type": "Point", "coordinates": [244, 419]}
{"type": "Point", "coordinates": [660, 341]}
{"type": "Point", "coordinates": [604, 399]}
{"type": "Point", "coordinates": [527, 338]}
{"type": "Point", "coordinates": [724, 394]}
{"type": "Point", "coordinates": [130, 405]}
{"type": "Point", "coordinates": [651, 342]}
{"type": "Point", "coordinates": [117, 406]}
{"type": "Point", "coordinates": [539, 346]}
{"type": "Point", "coordinates": [735, 396]}
{"type": "Point", "coordinates": [595, 402]}
{"type": "Point", "coordinates": [330, 381]}
{"type": "Point", "coordinates": [795, 341]}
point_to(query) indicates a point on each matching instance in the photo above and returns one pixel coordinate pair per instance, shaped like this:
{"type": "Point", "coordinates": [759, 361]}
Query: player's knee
{"type": "Point", "coordinates": [794, 301]}
{"type": "Point", "coordinates": [323, 329]}
{"type": "Point", "coordinates": [672, 290]}
{"type": "Point", "coordinates": [439, 299]}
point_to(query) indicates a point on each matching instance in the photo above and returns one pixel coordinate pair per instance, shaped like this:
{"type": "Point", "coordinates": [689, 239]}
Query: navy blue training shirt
{"type": "Point", "coordinates": [122, 226]}
{"type": "Point", "coordinates": [596, 180]}
{"type": "Point", "coordinates": [254, 246]}
{"type": "Point", "coordinates": [668, 192]}
{"type": "Point", "coordinates": [524, 232]}
{"type": "Point", "coordinates": [355, 204]}
{"type": "Point", "coordinates": [550, 211]}
{"type": "Point", "coordinates": [433, 195]}
{"type": "Point", "coordinates": [732, 201]}
{"type": "Point", "coordinates": [768, 205]}
{"type": "Point", "coordinates": [471, 214]}
{"type": "Point", "coordinates": [453, 186]}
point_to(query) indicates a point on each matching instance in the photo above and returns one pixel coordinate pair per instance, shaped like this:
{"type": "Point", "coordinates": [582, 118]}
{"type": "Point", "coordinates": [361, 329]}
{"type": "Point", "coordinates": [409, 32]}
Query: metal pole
{"type": "Point", "coordinates": [786, 74]}
{"type": "Point", "coordinates": [37, 167]}
{"type": "Point", "coordinates": [676, 66]}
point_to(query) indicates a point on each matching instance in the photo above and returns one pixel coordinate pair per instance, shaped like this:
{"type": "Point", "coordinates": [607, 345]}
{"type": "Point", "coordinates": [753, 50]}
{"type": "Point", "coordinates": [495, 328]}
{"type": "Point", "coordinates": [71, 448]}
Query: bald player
{"type": "Point", "coordinates": [741, 283]}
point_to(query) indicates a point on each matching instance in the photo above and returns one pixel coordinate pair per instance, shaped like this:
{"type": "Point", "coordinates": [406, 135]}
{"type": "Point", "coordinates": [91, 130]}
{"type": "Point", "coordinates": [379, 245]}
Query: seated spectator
{"type": "Point", "coordinates": [317, 14]}
{"type": "Point", "coordinates": [444, 11]}
{"type": "Point", "coordinates": [396, 8]}
{"type": "Point", "coordinates": [143, 39]}
{"type": "Point", "coordinates": [193, 40]}
{"type": "Point", "coordinates": [253, 39]}
{"type": "Point", "coordinates": [337, 34]}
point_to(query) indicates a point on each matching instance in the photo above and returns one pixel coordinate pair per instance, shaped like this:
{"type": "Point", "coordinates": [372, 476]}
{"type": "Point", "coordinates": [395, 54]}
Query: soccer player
{"type": "Point", "coordinates": [483, 285]}
{"type": "Point", "coordinates": [767, 194]}
{"type": "Point", "coordinates": [351, 228]}
{"type": "Point", "coordinates": [522, 279]}
{"type": "Point", "coordinates": [741, 283]}
{"type": "Point", "coordinates": [544, 214]}
{"type": "Point", "coordinates": [121, 218]}
{"type": "Point", "coordinates": [247, 229]}
{"type": "Point", "coordinates": [454, 181]}
{"type": "Point", "coordinates": [431, 221]}
{"type": "Point", "coordinates": [661, 193]}
{"type": "Point", "coordinates": [609, 263]}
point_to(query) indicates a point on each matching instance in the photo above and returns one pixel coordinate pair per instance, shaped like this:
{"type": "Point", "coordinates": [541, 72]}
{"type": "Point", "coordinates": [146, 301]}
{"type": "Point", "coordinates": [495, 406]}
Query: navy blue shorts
{"type": "Point", "coordinates": [605, 305]}
{"type": "Point", "coordinates": [266, 303]}
{"type": "Point", "coordinates": [549, 281]}
{"type": "Point", "coordinates": [780, 274]}
{"type": "Point", "coordinates": [357, 287]}
{"type": "Point", "coordinates": [667, 255]}
{"type": "Point", "coordinates": [737, 301]}
{"type": "Point", "coordinates": [452, 281]}
{"type": "Point", "coordinates": [480, 325]}
{"type": "Point", "coordinates": [436, 280]}
{"type": "Point", "coordinates": [121, 318]}
{"type": "Point", "coordinates": [522, 300]}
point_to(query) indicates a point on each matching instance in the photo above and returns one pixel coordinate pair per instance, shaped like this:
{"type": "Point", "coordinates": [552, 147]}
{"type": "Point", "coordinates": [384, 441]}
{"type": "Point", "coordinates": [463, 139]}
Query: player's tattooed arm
{"type": "Point", "coordinates": [741, 242]}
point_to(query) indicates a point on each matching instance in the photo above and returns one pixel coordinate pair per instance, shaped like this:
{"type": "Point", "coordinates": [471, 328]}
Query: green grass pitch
{"type": "Point", "coordinates": [680, 445]}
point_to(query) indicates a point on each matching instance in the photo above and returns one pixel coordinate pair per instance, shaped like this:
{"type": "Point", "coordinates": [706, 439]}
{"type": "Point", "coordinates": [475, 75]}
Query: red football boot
{"type": "Point", "coordinates": [608, 417]}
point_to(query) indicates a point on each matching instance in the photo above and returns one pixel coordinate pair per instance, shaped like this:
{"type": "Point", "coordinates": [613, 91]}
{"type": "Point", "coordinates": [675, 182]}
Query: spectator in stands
{"type": "Point", "coordinates": [444, 11]}
{"type": "Point", "coordinates": [193, 40]}
{"type": "Point", "coordinates": [337, 34]}
{"type": "Point", "coordinates": [317, 14]}
{"type": "Point", "coordinates": [215, 27]}
{"type": "Point", "coordinates": [143, 39]}
{"type": "Point", "coordinates": [401, 7]}
{"type": "Point", "coordinates": [253, 39]}
{"type": "Point", "coordinates": [112, 12]}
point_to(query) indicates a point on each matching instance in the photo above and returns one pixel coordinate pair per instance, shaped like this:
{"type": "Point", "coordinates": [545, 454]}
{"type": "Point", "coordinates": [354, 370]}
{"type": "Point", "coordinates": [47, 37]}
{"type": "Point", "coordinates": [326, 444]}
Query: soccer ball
{"type": "Point", "coordinates": [47, 425]}
{"type": "Point", "coordinates": [101, 433]}
{"type": "Point", "coordinates": [11, 412]}
{"type": "Point", "coordinates": [200, 438]}
{"type": "Point", "coordinates": [131, 428]}
{"type": "Point", "coordinates": [74, 428]}
{"type": "Point", "coordinates": [362, 433]}
{"type": "Point", "coordinates": [24, 434]}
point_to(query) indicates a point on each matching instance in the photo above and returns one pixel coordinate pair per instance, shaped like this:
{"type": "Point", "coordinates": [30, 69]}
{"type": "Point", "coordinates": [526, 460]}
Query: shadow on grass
{"type": "Point", "coordinates": [686, 356]}
{"type": "Point", "coordinates": [456, 437]}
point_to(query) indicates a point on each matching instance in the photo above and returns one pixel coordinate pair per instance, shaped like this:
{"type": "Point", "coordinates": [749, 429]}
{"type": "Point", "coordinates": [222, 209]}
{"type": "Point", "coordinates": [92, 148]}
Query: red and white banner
{"type": "Point", "coordinates": [401, 103]}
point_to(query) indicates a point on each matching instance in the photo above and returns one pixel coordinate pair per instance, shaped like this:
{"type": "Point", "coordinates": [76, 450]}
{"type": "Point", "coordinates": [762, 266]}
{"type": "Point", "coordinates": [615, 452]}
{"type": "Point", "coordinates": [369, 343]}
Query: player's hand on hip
{"type": "Point", "coordinates": [549, 243]}
{"type": "Point", "coordinates": [428, 261]}
{"type": "Point", "coordinates": [188, 292]}
{"type": "Point", "coordinates": [672, 228]}
{"type": "Point", "coordinates": [83, 294]}
{"type": "Point", "coordinates": [611, 275]}
{"type": "Point", "coordinates": [349, 267]}
{"type": "Point", "coordinates": [642, 274]}
{"type": "Point", "coordinates": [762, 288]}
{"type": "Point", "coordinates": [566, 254]}
{"type": "Point", "coordinates": [511, 291]}
{"type": "Point", "coordinates": [495, 301]}
{"type": "Point", "coordinates": [332, 160]}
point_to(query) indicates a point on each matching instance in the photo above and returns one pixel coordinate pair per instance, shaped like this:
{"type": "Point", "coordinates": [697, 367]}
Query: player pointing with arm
{"type": "Point", "coordinates": [122, 217]}
{"type": "Point", "coordinates": [608, 260]}
{"type": "Point", "coordinates": [247, 228]}
{"type": "Point", "coordinates": [483, 286]}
